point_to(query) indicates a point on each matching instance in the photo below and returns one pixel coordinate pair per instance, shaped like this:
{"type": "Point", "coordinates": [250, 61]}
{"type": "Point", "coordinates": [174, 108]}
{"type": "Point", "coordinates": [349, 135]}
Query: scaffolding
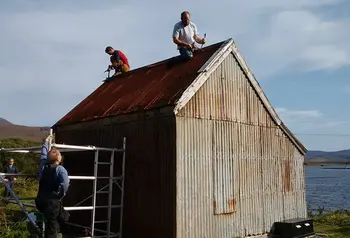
{"type": "Point", "coordinates": [118, 180]}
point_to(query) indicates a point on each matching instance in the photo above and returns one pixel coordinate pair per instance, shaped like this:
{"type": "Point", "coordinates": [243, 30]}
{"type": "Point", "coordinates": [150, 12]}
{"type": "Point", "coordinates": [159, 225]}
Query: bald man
{"type": "Point", "coordinates": [185, 34]}
{"type": "Point", "coordinates": [53, 186]}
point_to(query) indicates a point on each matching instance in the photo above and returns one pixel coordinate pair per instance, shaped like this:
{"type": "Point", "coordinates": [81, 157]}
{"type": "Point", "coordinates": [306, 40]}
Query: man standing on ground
{"type": "Point", "coordinates": [53, 186]}
{"type": "Point", "coordinates": [119, 62]}
{"type": "Point", "coordinates": [10, 168]}
{"type": "Point", "coordinates": [185, 34]}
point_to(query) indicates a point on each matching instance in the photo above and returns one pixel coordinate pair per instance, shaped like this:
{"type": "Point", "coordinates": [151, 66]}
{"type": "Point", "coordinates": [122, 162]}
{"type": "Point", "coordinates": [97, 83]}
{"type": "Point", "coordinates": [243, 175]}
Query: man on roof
{"type": "Point", "coordinates": [185, 35]}
{"type": "Point", "coordinates": [119, 62]}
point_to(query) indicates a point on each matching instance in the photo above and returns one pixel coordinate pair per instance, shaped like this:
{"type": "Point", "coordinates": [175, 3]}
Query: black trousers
{"type": "Point", "coordinates": [54, 215]}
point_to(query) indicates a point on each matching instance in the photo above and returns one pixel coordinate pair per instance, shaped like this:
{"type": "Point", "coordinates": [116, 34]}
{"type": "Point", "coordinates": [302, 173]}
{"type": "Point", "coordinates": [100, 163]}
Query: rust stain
{"type": "Point", "coordinates": [232, 204]}
{"type": "Point", "coordinates": [287, 179]}
{"type": "Point", "coordinates": [214, 204]}
{"type": "Point", "coordinates": [149, 87]}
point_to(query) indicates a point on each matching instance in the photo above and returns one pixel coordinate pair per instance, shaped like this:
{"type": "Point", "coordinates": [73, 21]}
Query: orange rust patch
{"type": "Point", "coordinates": [232, 204]}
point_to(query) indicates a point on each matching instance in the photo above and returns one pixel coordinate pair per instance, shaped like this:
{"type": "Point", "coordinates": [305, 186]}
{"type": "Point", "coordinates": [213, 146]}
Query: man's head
{"type": "Point", "coordinates": [54, 156]}
{"type": "Point", "coordinates": [185, 18]}
{"type": "Point", "coordinates": [109, 50]}
{"type": "Point", "coordinates": [11, 161]}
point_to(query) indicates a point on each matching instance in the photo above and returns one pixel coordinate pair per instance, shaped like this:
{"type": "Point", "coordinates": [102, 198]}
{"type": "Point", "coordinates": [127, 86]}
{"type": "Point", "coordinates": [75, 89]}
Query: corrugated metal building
{"type": "Point", "coordinates": [207, 155]}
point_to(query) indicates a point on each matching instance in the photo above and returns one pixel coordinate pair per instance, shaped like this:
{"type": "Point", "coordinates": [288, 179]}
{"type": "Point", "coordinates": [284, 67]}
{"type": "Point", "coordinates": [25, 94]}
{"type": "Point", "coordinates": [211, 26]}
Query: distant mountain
{"type": "Point", "coordinates": [9, 130]}
{"type": "Point", "coordinates": [4, 122]}
{"type": "Point", "coordinates": [342, 156]}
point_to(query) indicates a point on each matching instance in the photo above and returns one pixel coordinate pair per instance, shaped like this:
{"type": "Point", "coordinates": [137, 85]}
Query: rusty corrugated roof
{"type": "Point", "coordinates": [149, 87]}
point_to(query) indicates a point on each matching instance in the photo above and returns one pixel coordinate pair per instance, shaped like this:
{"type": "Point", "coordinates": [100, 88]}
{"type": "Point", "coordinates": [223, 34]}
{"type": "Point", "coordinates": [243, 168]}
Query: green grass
{"type": "Point", "coordinates": [12, 219]}
{"type": "Point", "coordinates": [333, 224]}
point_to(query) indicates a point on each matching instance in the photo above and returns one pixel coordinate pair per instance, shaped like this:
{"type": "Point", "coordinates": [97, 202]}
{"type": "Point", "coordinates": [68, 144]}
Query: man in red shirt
{"type": "Point", "coordinates": [119, 62]}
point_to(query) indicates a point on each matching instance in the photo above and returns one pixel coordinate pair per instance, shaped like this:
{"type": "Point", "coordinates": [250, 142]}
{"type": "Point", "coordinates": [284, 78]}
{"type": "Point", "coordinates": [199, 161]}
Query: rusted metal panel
{"type": "Point", "coordinates": [150, 184]}
{"type": "Point", "coordinates": [260, 171]}
{"type": "Point", "coordinates": [223, 170]}
{"type": "Point", "coordinates": [146, 88]}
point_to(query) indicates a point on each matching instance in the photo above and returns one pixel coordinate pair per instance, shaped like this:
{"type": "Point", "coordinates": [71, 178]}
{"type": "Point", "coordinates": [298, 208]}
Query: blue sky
{"type": "Point", "coordinates": [52, 54]}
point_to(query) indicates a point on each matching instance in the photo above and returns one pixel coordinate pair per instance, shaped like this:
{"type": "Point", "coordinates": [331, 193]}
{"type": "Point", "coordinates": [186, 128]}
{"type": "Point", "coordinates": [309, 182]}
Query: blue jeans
{"type": "Point", "coordinates": [186, 53]}
{"type": "Point", "coordinates": [7, 192]}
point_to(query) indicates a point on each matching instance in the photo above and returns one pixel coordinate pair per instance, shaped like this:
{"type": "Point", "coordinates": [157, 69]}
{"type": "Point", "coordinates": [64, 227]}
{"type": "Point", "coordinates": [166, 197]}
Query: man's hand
{"type": "Point", "coordinates": [48, 138]}
{"type": "Point", "coordinates": [189, 46]}
{"type": "Point", "coordinates": [110, 67]}
{"type": "Point", "coordinates": [14, 179]}
{"type": "Point", "coordinates": [181, 44]}
{"type": "Point", "coordinates": [203, 41]}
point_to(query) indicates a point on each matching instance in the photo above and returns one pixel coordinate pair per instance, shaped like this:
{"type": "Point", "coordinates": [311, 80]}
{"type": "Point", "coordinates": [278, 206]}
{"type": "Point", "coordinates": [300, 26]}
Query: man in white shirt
{"type": "Point", "coordinates": [185, 35]}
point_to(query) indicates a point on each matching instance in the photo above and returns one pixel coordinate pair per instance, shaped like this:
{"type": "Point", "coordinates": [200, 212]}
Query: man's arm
{"type": "Point", "coordinates": [196, 36]}
{"type": "Point", "coordinates": [180, 43]}
{"type": "Point", "coordinates": [63, 179]}
{"type": "Point", "coordinates": [116, 55]}
{"type": "Point", "coordinates": [198, 39]}
{"type": "Point", "coordinates": [176, 34]}
{"type": "Point", "coordinates": [4, 170]}
{"type": "Point", "coordinates": [43, 157]}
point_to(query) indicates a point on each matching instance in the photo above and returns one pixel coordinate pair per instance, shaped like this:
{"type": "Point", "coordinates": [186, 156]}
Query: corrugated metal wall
{"type": "Point", "coordinates": [237, 173]}
{"type": "Point", "coordinates": [150, 175]}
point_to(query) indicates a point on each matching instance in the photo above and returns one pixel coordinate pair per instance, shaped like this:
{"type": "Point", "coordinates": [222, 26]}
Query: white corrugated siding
{"type": "Point", "coordinates": [233, 160]}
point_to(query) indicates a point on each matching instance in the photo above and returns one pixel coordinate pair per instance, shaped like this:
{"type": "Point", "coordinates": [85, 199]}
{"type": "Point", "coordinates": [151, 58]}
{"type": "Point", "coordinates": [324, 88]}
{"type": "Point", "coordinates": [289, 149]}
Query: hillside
{"type": "Point", "coordinates": [4, 122]}
{"type": "Point", "coordinates": [342, 156]}
{"type": "Point", "coordinates": [9, 130]}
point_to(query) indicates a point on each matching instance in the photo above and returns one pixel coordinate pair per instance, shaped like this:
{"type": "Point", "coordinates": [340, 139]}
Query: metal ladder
{"type": "Point", "coordinates": [101, 191]}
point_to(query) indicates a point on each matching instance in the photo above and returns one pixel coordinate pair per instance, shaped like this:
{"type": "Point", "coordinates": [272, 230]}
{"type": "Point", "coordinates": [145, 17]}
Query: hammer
{"type": "Point", "coordinates": [109, 71]}
{"type": "Point", "coordinates": [205, 36]}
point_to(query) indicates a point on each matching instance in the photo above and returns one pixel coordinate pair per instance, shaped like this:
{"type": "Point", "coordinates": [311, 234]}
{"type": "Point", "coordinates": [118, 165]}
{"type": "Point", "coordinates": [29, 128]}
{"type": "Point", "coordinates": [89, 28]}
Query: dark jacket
{"type": "Point", "coordinates": [9, 170]}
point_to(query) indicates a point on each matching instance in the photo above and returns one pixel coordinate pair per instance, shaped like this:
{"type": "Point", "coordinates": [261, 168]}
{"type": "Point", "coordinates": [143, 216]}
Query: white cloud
{"type": "Point", "coordinates": [308, 120]}
{"type": "Point", "coordinates": [301, 39]}
{"type": "Point", "coordinates": [299, 114]}
{"type": "Point", "coordinates": [52, 53]}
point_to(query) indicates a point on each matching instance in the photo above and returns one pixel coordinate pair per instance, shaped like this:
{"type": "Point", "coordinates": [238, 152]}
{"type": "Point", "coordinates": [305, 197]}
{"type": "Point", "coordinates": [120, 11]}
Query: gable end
{"type": "Point", "coordinates": [229, 47]}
